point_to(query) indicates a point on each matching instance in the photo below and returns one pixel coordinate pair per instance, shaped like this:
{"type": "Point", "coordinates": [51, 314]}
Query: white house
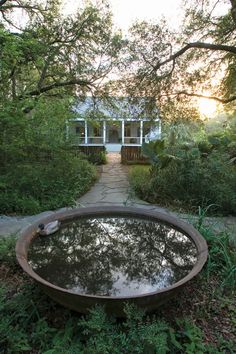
{"type": "Point", "coordinates": [114, 122]}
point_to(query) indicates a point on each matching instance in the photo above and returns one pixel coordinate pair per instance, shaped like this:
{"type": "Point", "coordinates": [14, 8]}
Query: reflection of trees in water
{"type": "Point", "coordinates": [90, 254]}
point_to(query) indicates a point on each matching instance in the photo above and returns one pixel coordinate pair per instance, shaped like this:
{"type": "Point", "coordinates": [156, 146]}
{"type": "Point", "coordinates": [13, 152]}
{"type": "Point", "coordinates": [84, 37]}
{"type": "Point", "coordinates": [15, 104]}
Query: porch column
{"type": "Point", "coordinates": [104, 132]}
{"type": "Point", "coordinates": [123, 132]}
{"type": "Point", "coordinates": [141, 132]}
{"type": "Point", "coordinates": [86, 131]}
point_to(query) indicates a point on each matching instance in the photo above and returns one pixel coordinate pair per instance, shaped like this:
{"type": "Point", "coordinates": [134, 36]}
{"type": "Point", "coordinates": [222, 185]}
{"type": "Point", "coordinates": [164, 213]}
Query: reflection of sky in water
{"type": "Point", "coordinates": [113, 256]}
{"type": "Point", "coordinates": [122, 286]}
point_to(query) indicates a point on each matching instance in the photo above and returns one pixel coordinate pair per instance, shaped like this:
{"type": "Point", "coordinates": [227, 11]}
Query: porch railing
{"type": "Point", "coordinates": [132, 154]}
{"type": "Point", "coordinates": [131, 140]}
{"type": "Point", "coordinates": [89, 149]}
{"type": "Point", "coordinates": [95, 140]}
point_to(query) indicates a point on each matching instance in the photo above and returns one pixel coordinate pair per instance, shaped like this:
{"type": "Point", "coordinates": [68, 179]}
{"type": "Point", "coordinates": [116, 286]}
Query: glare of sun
{"type": "Point", "coordinates": [207, 107]}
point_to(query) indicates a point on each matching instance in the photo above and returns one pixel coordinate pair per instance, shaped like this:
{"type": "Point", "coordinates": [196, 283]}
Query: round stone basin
{"type": "Point", "coordinates": [112, 255]}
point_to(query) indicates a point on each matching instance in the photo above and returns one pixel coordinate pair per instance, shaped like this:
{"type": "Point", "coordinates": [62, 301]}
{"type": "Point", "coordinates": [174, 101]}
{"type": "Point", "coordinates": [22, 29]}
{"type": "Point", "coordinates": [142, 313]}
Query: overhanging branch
{"type": "Point", "coordinates": [200, 45]}
{"type": "Point", "coordinates": [215, 98]}
{"type": "Point", "coordinates": [8, 5]}
{"type": "Point", "coordinates": [44, 89]}
{"type": "Point", "coordinates": [2, 2]}
{"type": "Point", "coordinates": [27, 7]}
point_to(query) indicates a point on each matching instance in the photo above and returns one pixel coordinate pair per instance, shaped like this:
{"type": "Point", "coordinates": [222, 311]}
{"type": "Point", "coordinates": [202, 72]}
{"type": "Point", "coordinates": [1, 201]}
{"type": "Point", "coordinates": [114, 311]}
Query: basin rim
{"type": "Point", "coordinates": [28, 234]}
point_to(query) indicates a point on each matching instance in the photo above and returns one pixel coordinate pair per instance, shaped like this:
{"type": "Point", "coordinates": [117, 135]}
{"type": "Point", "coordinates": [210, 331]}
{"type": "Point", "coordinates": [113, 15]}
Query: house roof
{"type": "Point", "coordinates": [116, 107]}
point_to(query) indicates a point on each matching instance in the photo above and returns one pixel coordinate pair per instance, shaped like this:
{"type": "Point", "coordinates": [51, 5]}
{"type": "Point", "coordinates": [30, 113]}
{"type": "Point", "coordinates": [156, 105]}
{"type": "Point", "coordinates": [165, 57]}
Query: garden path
{"type": "Point", "coordinates": [112, 188]}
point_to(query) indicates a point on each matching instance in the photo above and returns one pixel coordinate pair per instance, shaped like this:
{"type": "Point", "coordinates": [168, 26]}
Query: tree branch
{"type": "Point", "coordinates": [9, 21]}
{"type": "Point", "coordinates": [76, 32]}
{"type": "Point", "coordinates": [27, 7]}
{"type": "Point", "coordinates": [18, 5]}
{"type": "Point", "coordinates": [215, 98]}
{"type": "Point", "coordinates": [2, 2]}
{"type": "Point", "coordinates": [44, 70]}
{"type": "Point", "coordinates": [38, 91]}
{"type": "Point", "coordinates": [201, 45]}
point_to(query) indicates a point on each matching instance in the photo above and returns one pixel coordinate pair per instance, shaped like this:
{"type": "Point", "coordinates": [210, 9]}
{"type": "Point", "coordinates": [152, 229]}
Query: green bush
{"type": "Point", "coordinates": [190, 181]}
{"type": "Point", "coordinates": [38, 170]}
{"type": "Point", "coordinates": [34, 187]}
{"type": "Point", "coordinates": [139, 178]}
{"type": "Point", "coordinates": [98, 158]}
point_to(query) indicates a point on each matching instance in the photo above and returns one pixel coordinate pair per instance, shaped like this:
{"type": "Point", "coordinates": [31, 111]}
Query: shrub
{"type": "Point", "coordinates": [139, 178]}
{"type": "Point", "coordinates": [98, 158]}
{"type": "Point", "coordinates": [34, 187]}
{"type": "Point", "coordinates": [38, 170]}
{"type": "Point", "coordinates": [190, 180]}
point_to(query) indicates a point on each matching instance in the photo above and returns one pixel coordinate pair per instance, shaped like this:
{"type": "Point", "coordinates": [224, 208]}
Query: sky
{"type": "Point", "coordinates": [125, 12]}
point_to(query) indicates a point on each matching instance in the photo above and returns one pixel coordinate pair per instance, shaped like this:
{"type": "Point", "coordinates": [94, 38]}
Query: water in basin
{"type": "Point", "coordinates": [113, 256]}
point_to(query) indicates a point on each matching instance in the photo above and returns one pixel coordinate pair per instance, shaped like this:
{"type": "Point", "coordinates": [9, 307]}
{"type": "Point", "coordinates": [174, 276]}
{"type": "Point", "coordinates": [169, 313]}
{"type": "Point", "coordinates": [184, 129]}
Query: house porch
{"type": "Point", "coordinates": [113, 134]}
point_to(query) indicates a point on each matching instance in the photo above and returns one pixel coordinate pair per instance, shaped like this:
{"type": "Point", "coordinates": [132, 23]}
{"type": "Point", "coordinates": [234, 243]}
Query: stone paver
{"type": "Point", "coordinates": [112, 188]}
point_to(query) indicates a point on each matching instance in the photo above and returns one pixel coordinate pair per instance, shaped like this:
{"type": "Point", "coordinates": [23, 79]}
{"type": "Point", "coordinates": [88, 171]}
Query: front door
{"type": "Point", "coordinates": [114, 133]}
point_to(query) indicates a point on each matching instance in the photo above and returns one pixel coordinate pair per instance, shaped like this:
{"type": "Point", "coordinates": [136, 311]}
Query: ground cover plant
{"type": "Point", "coordinates": [201, 323]}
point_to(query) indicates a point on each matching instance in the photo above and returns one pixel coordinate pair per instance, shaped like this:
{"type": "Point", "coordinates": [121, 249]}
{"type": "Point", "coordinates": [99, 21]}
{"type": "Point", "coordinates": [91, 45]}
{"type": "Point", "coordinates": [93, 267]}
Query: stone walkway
{"type": "Point", "coordinates": [112, 188]}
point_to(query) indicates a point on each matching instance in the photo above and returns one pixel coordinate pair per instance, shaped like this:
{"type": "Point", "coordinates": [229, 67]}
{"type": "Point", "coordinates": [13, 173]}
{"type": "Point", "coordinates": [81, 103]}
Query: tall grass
{"type": "Point", "coordinates": [222, 257]}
